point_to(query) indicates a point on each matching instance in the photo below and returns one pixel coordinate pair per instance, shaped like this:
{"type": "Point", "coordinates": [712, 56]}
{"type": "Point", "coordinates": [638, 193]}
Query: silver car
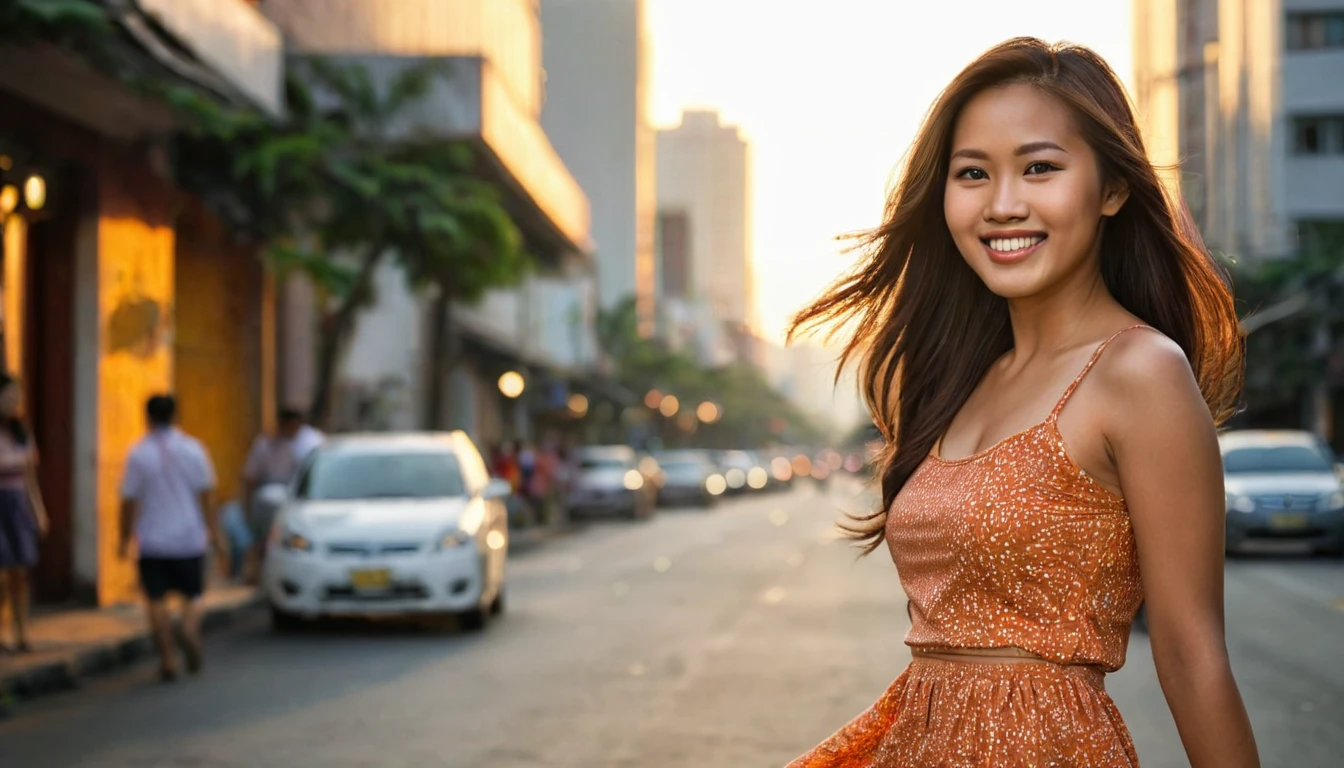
{"type": "Point", "coordinates": [1282, 485]}
{"type": "Point", "coordinates": [609, 479]}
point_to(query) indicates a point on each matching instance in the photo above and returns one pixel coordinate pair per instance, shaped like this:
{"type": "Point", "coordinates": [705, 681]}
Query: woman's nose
{"type": "Point", "coordinates": [1006, 203]}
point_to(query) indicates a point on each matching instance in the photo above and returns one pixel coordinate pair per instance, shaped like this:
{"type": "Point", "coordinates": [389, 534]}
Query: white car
{"type": "Point", "coordinates": [390, 525]}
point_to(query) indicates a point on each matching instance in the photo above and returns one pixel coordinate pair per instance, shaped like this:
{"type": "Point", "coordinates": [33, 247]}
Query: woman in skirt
{"type": "Point", "coordinates": [23, 520]}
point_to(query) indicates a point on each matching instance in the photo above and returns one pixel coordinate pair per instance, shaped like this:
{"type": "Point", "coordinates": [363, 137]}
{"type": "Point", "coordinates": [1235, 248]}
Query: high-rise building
{"type": "Point", "coordinates": [705, 175]}
{"type": "Point", "coordinates": [1245, 97]}
{"type": "Point", "coordinates": [596, 113]}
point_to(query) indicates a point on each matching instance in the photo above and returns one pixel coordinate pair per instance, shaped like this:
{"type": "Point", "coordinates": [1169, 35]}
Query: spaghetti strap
{"type": "Point", "coordinates": [1054, 414]}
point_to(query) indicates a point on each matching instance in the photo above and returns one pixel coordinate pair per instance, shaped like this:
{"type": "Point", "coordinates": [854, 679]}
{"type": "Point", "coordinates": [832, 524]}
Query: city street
{"type": "Point", "coordinates": [736, 637]}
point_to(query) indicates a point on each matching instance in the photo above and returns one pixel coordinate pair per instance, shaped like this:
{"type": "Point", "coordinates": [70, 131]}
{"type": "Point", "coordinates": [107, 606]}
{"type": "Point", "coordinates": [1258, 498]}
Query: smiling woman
{"type": "Point", "coordinates": [1046, 346]}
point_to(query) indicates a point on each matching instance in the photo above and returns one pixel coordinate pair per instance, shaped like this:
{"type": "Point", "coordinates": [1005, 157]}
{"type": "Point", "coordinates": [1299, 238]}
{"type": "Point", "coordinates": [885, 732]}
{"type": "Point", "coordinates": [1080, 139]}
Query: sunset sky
{"type": "Point", "coordinates": [830, 95]}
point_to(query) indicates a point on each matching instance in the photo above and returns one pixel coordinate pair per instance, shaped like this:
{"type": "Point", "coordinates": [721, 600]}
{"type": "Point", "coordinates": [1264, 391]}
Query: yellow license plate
{"type": "Point", "coordinates": [372, 578]}
{"type": "Point", "coordinates": [1286, 521]}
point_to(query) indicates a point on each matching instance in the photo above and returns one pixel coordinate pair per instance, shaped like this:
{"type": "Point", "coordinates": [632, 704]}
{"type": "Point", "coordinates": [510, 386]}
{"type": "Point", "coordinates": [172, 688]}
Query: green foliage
{"type": "Point", "coordinates": [53, 21]}
{"type": "Point", "coordinates": [335, 175]}
{"type": "Point", "coordinates": [751, 409]}
{"type": "Point", "coordinates": [1282, 357]}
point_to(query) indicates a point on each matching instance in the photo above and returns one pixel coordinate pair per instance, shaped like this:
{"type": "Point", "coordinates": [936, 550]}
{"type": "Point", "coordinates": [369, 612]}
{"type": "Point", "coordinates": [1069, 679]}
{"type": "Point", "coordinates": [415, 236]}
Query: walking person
{"type": "Point", "coordinates": [272, 464]}
{"type": "Point", "coordinates": [167, 508]}
{"type": "Point", "coordinates": [23, 518]}
{"type": "Point", "coordinates": [1047, 348]}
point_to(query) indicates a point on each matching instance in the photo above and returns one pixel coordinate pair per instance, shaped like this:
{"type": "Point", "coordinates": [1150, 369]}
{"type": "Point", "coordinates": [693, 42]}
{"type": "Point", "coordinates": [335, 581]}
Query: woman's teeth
{"type": "Point", "coordinates": [1010, 244]}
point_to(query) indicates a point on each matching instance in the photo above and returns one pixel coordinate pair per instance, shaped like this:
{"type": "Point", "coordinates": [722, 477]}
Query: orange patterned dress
{"type": "Point", "coordinates": [1015, 547]}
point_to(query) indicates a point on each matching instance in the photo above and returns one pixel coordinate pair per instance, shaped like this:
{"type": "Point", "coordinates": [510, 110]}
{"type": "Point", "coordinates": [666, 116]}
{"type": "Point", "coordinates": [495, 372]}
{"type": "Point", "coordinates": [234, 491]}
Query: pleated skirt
{"type": "Point", "coordinates": [948, 714]}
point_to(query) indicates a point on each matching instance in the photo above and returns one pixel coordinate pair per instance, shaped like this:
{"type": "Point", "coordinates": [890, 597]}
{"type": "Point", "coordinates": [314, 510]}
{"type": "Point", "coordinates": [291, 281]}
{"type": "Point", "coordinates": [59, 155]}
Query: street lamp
{"type": "Point", "coordinates": [578, 405]}
{"type": "Point", "coordinates": [669, 405]}
{"type": "Point", "coordinates": [511, 384]}
{"type": "Point", "coordinates": [708, 412]}
{"type": "Point", "coordinates": [653, 398]}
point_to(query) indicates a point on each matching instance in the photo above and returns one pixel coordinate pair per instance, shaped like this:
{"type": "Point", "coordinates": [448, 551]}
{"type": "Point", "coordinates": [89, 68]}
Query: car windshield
{"type": "Point", "coordinates": [1286, 458]}
{"type": "Point", "coordinates": [381, 475]}
{"type": "Point", "coordinates": [595, 462]}
{"type": "Point", "coordinates": [683, 466]}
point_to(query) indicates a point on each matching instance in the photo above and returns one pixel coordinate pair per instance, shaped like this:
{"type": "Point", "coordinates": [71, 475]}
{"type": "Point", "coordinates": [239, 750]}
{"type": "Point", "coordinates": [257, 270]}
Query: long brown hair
{"type": "Point", "coordinates": [926, 329]}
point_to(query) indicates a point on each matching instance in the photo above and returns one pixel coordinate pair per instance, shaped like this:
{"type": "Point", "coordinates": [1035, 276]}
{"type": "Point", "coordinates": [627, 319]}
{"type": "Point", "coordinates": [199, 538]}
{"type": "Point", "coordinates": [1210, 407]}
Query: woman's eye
{"type": "Point", "coordinates": [973, 174]}
{"type": "Point", "coordinates": [1040, 166]}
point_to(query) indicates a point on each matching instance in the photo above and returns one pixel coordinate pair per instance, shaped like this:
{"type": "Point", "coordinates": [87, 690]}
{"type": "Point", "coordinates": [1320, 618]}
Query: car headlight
{"type": "Point", "coordinates": [454, 539]}
{"type": "Point", "coordinates": [1239, 503]}
{"type": "Point", "coordinates": [633, 480]}
{"type": "Point", "coordinates": [1334, 500]}
{"type": "Point", "coordinates": [293, 541]}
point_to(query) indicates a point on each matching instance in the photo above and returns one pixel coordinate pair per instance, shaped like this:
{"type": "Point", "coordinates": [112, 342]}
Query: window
{"type": "Point", "coordinates": [1278, 459]}
{"type": "Point", "coordinates": [348, 474]}
{"type": "Point", "coordinates": [1308, 31]}
{"type": "Point", "coordinates": [1318, 135]}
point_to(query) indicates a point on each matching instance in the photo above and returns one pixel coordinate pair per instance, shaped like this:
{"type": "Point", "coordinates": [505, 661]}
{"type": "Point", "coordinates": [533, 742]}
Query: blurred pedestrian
{"type": "Point", "coordinates": [1048, 347]}
{"type": "Point", "coordinates": [166, 508]}
{"type": "Point", "coordinates": [272, 464]}
{"type": "Point", "coordinates": [23, 518]}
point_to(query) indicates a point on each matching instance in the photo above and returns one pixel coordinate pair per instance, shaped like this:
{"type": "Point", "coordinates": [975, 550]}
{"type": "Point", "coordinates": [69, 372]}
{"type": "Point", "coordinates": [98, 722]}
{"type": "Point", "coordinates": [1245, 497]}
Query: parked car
{"type": "Point", "coordinates": [608, 479]}
{"type": "Point", "coordinates": [391, 524]}
{"type": "Point", "coordinates": [690, 478]}
{"type": "Point", "coordinates": [738, 467]}
{"type": "Point", "coordinates": [1282, 485]}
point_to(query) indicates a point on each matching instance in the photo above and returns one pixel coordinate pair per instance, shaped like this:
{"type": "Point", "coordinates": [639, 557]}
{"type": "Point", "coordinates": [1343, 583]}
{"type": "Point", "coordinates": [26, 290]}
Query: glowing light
{"type": "Point", "coordinates": [578, 405]}
{"type": "Point", "coordinates": [716, 484]}
{"type": "Point", "coordinates": [802, 466]}
{"type": "Point", "coordinates": [669, 406]}
{"type": "Point", "coordinates": [735, 478]}
{"type": "Point", "coordinates": [757, 478]}
{"type": "Point", "coordinates": [653, 398]}
{"type": "Point", "coordinates": [781, 469]}
{"type": "Point", "coordinates": [511, 384]}
{"type": "Point", "coordinates": [708, 412]}
{"type": "Point", "coordinates": [494, 540]}
{"type": "Point", "coordinates": [35, 192]}
{"type": "Point", "coordinates": [633, 480]}
{"type": "Point", "coordinates": [9, 199]}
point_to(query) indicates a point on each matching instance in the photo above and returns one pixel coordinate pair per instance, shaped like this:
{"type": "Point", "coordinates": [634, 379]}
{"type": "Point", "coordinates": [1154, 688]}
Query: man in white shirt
{"type": "Point", "coordinates": [274, 460]}
{"type": "Point", "coordinates": [166, 506]}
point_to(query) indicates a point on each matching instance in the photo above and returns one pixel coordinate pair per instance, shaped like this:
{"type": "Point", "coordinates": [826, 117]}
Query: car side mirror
{"type": "Point", "coordinates": [497, 488]}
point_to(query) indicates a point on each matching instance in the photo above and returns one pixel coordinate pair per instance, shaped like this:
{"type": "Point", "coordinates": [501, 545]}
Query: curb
{"type": "Point", "coordinates": [526, 539]}
{"type": "Point", "coordinates": [66, 673]}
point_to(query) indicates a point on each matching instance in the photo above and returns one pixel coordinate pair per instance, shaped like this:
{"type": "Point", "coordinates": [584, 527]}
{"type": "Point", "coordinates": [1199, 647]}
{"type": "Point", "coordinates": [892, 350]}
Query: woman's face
{"type": "Point", "coordinates": [1024, 199]}
{"type": "Point", "coordinates": [9, 400]}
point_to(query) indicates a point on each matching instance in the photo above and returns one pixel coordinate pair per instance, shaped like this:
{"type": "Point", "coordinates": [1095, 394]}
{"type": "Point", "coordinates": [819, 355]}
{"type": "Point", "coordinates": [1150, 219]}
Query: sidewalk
{"type": "Point", "coordinates": [71, 645]}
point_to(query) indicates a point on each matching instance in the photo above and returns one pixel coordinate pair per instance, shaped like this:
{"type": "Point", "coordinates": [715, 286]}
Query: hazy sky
{"type": "Point", "coordinates": [830, 94]}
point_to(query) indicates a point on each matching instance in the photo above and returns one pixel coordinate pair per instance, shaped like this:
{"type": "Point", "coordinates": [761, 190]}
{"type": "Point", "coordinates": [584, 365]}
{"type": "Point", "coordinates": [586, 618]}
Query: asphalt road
{"type": "Point", "coordinates": [737, 637]}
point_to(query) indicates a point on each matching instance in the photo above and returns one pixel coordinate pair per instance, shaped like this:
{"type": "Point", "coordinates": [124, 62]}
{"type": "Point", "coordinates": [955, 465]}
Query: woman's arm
{"type": "Point", "coordinates": [39, 507]}
{"type": "Point", "coordinates": [1165, 449]}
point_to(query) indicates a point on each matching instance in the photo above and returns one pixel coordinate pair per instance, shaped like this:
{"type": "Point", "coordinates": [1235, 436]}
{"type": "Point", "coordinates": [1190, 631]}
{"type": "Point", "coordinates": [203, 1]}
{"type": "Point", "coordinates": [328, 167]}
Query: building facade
{"type": "Point", "coordinates": [705, 177]}
{"type": "Point", "coordinates": [1245, 97]}
{"type": "Point", "coordinates": [492, 98]}
{"type": "Point", "coordinates": [597, 90]}
{"type": "Point", "coordinates": [117, 284]}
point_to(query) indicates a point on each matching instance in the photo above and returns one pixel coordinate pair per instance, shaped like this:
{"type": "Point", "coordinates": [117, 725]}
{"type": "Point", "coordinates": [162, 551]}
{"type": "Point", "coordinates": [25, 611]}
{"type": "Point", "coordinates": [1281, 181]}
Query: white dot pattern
{"type": "Point", "coordinates": [1015, 547]}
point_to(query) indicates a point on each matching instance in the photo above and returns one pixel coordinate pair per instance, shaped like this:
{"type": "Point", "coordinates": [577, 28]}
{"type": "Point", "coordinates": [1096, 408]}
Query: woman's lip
{"type": "Point", "coordinates": [1012, 257]}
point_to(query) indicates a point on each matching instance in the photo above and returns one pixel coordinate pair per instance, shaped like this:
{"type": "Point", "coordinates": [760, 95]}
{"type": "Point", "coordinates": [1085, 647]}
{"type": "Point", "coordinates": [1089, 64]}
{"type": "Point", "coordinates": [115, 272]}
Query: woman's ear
{"type": "Point", "coordinates": [1115, 193]}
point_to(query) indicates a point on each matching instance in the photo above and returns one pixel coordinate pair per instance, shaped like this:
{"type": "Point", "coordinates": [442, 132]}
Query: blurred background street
{"type": "Point", "coordinates": [738, 636]}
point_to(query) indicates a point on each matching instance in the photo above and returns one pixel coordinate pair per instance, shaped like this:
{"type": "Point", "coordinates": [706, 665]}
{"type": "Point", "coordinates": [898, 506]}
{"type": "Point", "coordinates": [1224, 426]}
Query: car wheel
{"type": "Point", "coordinates": [498, 604]}
{"type": "Point", "coordinates": [475, 619]}
{"type": "Point", "coordinates": [284, 622]}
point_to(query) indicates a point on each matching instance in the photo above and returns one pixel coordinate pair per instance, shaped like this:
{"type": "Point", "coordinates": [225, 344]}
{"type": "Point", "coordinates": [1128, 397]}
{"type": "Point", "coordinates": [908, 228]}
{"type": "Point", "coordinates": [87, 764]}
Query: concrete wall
{"type": "Point", "coordinates": [135, 309]}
